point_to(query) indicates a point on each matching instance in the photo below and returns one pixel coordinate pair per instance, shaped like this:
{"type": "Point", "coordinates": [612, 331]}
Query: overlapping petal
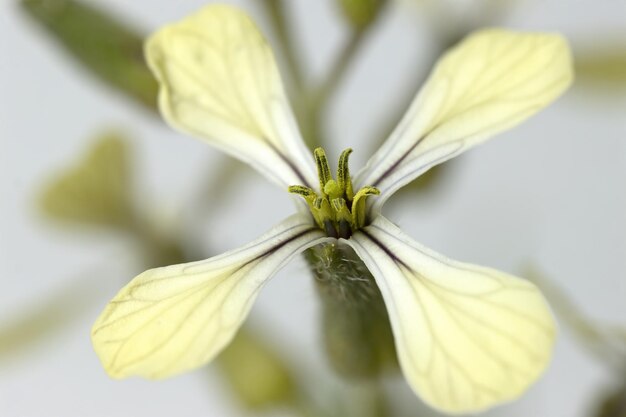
{"type": "Point", "coordinates": [172, 319]}
{"type": "Point", "coordinates": [219, 82]}
{"type": "Point", "coordinates": [490, 82]}
{"type": "Point", "coordinates": [467, 337]}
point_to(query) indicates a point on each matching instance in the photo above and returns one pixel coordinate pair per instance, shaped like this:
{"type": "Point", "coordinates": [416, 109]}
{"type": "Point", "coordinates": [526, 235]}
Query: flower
{"type": "Point", "coordinates": [467, 337]}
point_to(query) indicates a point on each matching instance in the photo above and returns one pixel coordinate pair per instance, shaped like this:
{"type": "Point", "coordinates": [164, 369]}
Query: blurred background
{"type": "Point", "coordinates": [95, 189]}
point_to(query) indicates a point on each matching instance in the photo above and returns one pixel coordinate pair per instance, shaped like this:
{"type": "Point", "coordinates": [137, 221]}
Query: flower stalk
{"type": "Point", "coordinates": [357, 335]}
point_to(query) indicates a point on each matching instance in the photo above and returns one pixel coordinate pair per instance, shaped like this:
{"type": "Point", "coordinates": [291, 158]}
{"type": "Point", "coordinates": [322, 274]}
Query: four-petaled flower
{"type": "Point", "coordinates": [467, 337]}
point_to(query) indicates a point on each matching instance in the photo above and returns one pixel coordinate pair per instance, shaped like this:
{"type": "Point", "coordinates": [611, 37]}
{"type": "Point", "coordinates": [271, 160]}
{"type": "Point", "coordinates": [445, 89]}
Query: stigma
{"type": "Point", "coordinates": [336, 208]}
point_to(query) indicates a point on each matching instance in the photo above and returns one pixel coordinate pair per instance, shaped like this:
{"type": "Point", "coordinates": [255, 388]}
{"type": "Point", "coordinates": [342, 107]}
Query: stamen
{"type": "Point", "coordinates": [336, 209]}
{"type": "Point", "coordinates": [358, 205]}
{"type": "Point", "coordinates": [323, 169]}
{"type": "Point", "coordinates": [305, 192]}
{"type": "Point", "coordinates": [343, 174]}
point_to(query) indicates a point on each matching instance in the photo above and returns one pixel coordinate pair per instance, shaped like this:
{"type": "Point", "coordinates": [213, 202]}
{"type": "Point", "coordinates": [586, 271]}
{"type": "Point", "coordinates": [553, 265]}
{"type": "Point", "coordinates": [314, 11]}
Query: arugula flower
{"type": "Point", "coordinates": [467, 337]}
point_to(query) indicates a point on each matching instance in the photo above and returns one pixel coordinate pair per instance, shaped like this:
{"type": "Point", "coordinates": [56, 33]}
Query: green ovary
{"type": "Point", "coordinates": [336, 208]}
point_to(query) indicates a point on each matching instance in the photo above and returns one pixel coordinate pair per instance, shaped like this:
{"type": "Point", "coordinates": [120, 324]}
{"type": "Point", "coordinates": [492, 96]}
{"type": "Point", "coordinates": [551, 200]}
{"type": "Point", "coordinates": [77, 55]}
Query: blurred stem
{"type": "Point", "coordinates": [311, 103]}
{"type": "Point", "coordinates": [275, 10]}
{"type": "Point", "coordinates": [318, 98]}
{"type": "Point", "coordinates": [108, 48]}
{"type": "Point", "coordinates": [50, 316]}
{"type": "Point", "coordinates": [393, 118]}
{"type": "Point", "coordinates": [598, 338]}
{"type": "Point", "coordinates": [324, 92]}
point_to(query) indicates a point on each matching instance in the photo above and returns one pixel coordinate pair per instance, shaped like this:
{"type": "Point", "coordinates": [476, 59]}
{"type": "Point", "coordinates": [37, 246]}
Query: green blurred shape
{"type": "Point", "coordinates": [604, 66]}
{"type": "Point", "coordinates": [48, 317]}
{"type": "Point", "coordinates": [96, 190]}
{"type": "Point", "coordinates": [108, 48]}
{"type": "Point", "coordinates": [612, 404]}
{"type": "Point", "coordinates": [256, 373]}
{"type": "Point", "coordinates": [361, 13]}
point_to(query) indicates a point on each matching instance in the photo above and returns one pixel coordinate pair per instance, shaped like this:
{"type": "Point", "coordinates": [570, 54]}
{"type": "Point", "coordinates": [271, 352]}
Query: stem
{"type": "Point", "coordinates": [275, 10]}
{"type": "Point", "coordinates": [357, 334]}
{"type": "Point", "coordinates": [597, 338]}
{"type": "Point", "coordinates": [393, 118]}
{"type": "Point", "coordinates": [335, 76]}
{"type": "Point", "coordinates": [322, 95]}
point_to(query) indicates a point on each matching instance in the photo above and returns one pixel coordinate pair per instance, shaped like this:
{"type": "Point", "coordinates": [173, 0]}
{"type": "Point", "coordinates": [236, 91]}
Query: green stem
{"type": "Point", "coordinates": [328, 87]}
{"type": "Point", "coordinates": [321, 95]}
{"type": "Point", "coordinates": [596, 337]}
{"type": "Point", "coordinates": [275, 10]}
{"type": "Point", "coordinates": [357, 334]}
{"type": "Point", "coordinates": [393, 119]}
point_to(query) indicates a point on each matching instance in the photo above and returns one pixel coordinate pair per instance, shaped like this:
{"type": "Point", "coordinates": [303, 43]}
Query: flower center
{"type": "Point", "coordinates": [336, 209]}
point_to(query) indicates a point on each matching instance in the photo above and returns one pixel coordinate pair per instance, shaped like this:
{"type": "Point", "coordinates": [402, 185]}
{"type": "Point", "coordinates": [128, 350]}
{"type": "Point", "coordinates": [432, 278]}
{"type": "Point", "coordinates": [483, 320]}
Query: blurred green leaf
{"type": "Point", "coordinates": [256, 373]}
{"type": "Point", "coordinates": [95, 191]}
{"type": "Point", "coordinates": [606, 66]}
{"type": "Point", "coordinates": [108, 48]}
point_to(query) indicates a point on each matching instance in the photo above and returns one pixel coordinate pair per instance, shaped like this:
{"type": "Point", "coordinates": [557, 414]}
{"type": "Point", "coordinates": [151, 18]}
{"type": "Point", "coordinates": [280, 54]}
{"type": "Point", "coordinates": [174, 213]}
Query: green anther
{"type": "Point", "coordinates": [305, 192]}
{"type": "Point", "coordinates": [343, 175]}
{"type": "Point", "coordinates": [336, 209]}
{"type": "Point", "coordinates": [358, 205]}
{"type": "Point", "coordinates": [323, 169]}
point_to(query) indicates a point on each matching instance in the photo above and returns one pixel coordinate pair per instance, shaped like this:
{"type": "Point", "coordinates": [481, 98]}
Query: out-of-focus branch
{"type": "Point", "coordinates": [106, 47]}
{"type": "Point", "coordinates": [598, 338]}
{"type": "Point", "coordinates": [275, 10]}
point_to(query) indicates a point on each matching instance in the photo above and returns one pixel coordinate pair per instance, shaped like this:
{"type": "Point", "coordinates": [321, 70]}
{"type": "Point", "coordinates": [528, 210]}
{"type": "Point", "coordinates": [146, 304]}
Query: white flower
{"type": "Point", "coordinates": [467, 337]}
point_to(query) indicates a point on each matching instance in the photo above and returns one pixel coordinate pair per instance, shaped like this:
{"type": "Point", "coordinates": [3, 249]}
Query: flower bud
{"type": "Point", "coordinates": [361, 13]}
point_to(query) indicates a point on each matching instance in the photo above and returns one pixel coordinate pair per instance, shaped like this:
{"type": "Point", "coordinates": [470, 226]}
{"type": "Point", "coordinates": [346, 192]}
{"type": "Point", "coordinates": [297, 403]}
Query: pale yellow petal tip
{"type": "Point", "coordinates": [553, 43]}
{"type": "Point", "coordinates": [510, 392]}
{"type": "Point", "coordinates": [468, 338]}
{"type": "Point", "coordinates": [160, 44]}
{"type": "Point", "coordinates": [196, 23]}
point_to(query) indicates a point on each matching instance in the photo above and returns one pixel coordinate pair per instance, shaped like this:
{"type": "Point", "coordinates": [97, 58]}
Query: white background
{"type": "Point", "coordinates": [552, 192]}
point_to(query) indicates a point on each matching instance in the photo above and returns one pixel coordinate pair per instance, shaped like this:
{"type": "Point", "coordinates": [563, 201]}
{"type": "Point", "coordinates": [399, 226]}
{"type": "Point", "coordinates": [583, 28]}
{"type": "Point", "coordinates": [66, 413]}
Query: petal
{"type": "Point", "coordinates": [490, 82]}
{"type": "Point", "coordinates": [219, 82]}
{"type": "Point", "coordinates": [172, 319]}
{"type": "Point", "coordinates": [467, 337]}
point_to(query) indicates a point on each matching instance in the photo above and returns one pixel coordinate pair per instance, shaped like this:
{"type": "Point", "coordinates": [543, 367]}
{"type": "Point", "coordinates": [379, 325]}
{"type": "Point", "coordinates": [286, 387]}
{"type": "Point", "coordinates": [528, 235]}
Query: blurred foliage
{"type": "Point", "coordinates": [110, 49]}
{"type": "Point", "coordinates": [603, 67]}
{"type": "Point", "coordinates": [96, 191]}
{"type": "Point", "coordinates": [361, 13]}
{"type": "Point", "coordinates": [257, 374]}
{"type": "Point", "coordinates": [607, 343]}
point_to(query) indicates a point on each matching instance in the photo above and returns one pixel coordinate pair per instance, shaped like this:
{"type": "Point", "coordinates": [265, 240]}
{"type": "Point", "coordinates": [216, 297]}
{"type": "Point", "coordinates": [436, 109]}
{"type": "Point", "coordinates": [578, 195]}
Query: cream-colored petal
{"type": "Point", "coordinates": [467, 337]}
{"type": "Point", "coordinates": [491, 81]}
{"type": "Point", "coordinates": [219, 82]}
{"type": "Point", "coordinates": [172, 319]}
